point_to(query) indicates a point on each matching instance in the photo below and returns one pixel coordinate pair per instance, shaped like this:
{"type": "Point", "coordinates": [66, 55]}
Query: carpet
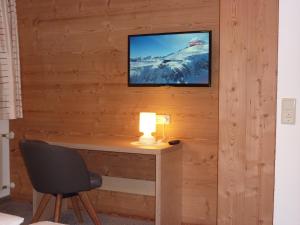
{"type": "Point", "coordinates": [25, 210]}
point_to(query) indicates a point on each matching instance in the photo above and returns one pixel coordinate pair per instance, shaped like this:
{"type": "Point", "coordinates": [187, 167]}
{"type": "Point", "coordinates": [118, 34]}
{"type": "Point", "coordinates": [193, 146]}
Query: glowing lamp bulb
{"type": "Point", "coordinates": [147, 127]}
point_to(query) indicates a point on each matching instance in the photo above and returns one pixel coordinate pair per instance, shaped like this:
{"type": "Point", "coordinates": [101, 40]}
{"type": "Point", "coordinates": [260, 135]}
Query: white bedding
{"type": "Point", "coordinates": [6, 219]}
{"type": "Point", "coordinates": [46, 223]}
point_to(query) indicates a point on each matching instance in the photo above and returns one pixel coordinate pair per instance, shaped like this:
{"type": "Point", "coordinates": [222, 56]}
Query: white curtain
{"type": "Point", "coordinates": [10, 83]}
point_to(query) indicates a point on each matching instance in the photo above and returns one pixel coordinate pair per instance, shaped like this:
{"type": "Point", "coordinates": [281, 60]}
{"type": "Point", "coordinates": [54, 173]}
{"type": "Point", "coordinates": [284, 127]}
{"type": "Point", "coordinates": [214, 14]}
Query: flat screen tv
{"type": "Point", "coordinates": [170, 59]}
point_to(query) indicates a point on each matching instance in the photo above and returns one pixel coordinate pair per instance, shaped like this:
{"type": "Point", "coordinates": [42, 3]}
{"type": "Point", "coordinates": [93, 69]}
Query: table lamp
{"type": "Point", "coordinates": [147, 127]}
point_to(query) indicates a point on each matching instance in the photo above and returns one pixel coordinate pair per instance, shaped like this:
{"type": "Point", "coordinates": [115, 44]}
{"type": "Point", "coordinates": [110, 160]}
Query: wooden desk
{"type": "Point", "coordinates": [168, 177]}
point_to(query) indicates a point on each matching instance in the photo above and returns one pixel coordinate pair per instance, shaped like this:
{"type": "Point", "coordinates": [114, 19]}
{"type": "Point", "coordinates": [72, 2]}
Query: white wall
{"type": "Point", "coordinates": [287, 165]}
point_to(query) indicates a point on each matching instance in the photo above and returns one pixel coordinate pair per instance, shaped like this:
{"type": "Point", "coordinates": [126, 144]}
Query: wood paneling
{"type": "Point", "coordinates": [120, 164]}
{"type": "Point", "coordinates": [248, 55]}
{"type": "Point", "coordinates": [123, 204]}
{"type": "Point", "coordinates": [74, 82]}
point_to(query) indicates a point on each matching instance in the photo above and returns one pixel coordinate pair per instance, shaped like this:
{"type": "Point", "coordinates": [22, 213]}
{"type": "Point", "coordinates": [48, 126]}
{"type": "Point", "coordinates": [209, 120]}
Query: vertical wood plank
{"type": "Point", "coordinates": [248, 64]}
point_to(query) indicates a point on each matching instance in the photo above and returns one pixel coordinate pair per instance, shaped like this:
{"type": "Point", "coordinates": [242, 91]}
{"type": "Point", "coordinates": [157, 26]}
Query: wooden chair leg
{"type": "Point", "coordinates": [57, 210]}
{"type": "Point", "coordinates": [76, 208]}
{"type": "Point", "coordinates": [89, 207]}
{"type": "Point", "coordinates": [42, 205]}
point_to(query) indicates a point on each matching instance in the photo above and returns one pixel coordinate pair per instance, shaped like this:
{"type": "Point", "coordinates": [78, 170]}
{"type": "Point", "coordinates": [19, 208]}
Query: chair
{"type": "Point", "coordinates": [60, 172]}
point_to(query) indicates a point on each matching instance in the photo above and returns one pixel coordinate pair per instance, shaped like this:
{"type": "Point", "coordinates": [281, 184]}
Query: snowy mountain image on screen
{"type": "Point", "coordinates": [189, 65]}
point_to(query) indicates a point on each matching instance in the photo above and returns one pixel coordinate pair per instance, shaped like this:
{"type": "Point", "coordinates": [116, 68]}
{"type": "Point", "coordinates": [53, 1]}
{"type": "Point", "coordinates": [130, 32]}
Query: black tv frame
{"type": "Point", "coordinates": [172, 85]}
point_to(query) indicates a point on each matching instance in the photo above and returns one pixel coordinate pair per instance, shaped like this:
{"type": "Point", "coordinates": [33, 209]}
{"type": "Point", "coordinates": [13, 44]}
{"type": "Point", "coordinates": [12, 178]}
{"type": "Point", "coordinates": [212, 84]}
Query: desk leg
{"type": "Point", "coordinates": [170, 177]}
{"type": "Point", "coordinates": [158, 190]}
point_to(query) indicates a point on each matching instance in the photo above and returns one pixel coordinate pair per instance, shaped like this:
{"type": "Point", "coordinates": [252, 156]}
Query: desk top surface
{"type": "Point", "coordinates": [112, 144]}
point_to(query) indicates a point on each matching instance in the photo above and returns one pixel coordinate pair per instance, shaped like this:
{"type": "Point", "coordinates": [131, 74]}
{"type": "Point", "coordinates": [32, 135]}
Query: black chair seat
{"type": "Point", "coordinates": [96, 180]}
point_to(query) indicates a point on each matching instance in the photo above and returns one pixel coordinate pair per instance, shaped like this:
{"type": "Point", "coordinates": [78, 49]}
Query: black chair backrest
{"type": "Point", "coordinates": [54, 169]}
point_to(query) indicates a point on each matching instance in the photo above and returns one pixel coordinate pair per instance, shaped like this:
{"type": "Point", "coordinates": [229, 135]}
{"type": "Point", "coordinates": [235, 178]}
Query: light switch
{"type": "Point", "coordinates": [288, 111]}
{"type": "Point", "coordinates": [163, 119]}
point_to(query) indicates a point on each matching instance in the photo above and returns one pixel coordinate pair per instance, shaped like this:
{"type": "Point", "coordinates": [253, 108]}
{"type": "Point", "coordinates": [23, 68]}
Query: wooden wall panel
{"type": "Point", "coordinates": [248, 65]}
{"type": "Point", "coordinates": [120, 164]}
{"type": "Point", "coordinates": [123, 204]}
{"type": "Point", "coordinates": [74, 82]}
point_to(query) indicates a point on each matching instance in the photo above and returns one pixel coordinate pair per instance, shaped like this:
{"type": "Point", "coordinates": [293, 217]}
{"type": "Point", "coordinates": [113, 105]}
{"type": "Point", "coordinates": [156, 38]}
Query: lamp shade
{"type": "Point", "coordinates": [147, 122]}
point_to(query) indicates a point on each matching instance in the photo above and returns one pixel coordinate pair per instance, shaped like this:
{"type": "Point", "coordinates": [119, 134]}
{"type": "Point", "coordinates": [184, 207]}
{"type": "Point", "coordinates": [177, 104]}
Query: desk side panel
{"type": "Point", "coordinates": [171, 187]}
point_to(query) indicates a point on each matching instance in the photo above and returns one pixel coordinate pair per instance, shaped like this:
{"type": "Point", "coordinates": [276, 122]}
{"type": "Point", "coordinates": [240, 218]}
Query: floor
{"type": "Point", "coordinates": [25, 210]}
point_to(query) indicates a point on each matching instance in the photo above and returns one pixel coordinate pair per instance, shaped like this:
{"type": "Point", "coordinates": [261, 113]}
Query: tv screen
{"type": "Point", "coordinates": [171, 59]}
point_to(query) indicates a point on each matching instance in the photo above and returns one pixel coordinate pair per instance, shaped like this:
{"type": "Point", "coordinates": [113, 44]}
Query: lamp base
{"type": "Point", "coordinates": [147, 140]}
